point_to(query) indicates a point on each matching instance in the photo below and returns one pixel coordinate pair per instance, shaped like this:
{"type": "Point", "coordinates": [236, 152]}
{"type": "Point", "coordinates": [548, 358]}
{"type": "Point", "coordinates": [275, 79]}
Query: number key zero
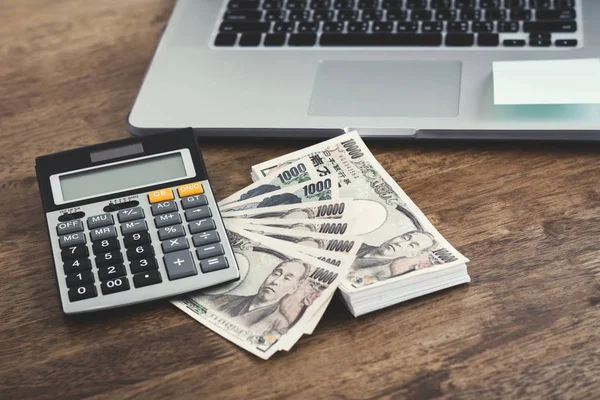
{"type": "Point", "coordinates": [190, 189]}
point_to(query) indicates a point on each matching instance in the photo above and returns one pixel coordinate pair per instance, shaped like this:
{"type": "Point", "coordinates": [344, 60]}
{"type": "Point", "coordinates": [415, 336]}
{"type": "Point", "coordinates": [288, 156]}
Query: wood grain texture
{"type": "Point", "coordinates": [528, 216]}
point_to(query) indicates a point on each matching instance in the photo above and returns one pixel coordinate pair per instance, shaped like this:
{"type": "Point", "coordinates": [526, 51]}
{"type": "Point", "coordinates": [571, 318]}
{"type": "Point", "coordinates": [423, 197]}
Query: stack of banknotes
{"type": "Point", "coordinates": [323, 218]}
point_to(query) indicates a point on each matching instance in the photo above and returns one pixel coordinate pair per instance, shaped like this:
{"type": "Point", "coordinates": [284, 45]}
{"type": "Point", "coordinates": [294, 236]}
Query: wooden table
{"type": "Point", "coordinates": [526, 215]}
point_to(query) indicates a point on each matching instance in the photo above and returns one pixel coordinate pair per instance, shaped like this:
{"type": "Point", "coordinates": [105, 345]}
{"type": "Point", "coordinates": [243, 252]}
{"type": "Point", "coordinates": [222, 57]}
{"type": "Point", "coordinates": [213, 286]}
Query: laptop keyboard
{"type": "Point", "coordinates": [401, 23]}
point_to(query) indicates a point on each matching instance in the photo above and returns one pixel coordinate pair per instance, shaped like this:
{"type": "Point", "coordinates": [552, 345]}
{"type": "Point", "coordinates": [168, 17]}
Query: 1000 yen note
{"type": "Point", "coordinates": [314, 190]}
{"type": "Point", "coordinates": [398, 238]}
{"type": "Point", "coordinates": [297, 172]}
{"type": "Point", "coordinates": [279, 290]}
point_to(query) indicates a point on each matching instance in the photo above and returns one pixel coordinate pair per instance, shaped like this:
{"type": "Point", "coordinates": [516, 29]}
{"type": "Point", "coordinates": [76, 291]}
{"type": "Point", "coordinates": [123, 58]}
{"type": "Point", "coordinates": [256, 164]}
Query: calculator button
{"type": "Point", "coordinates": [82, 292]}
{"type": "Point", "coordinates": [169, 232]}
{"type": "Point", "coordinates": [143, 265]}
{"type": "Point", "coordinates": [135, 239]}
{"type": "Point", "coordinates": [202, 225]}
{"type": "Point", "coordinates": [213, 264]}
{"type": "Point", "coordinates": [72, 252]}
{"type": "Point", "coordinates": [106, 259]}
{"type": "Point", "coordinates": [141, 251]}
{"type": "Point", "coordinates": [147, 278]}
{"type": "Point", "coordinates": [97, 221]}
{"type": "Point", "coordinates": [164, 207]}
{"type": "Point", "coordinates": [179, 264]}
{"type": "Point", "coordinates": [197, 213]}
{"type": "Point", "coordinates": [76, 265]}
{"type": "Point", "coordinates": [190, 189]}
{"type": "Point", "coordinates": [209, 251]}
{"type": "Point", "coordinates": [69, 227]}
{"type": "Point", "coordinates": [112, 271]}
{"type": "Point", "coordinates": [106, 245]}
{"type": "Point", "coordinates": [204, 238]}
{"type": "Point", "coordinates": [194, 201]}
{"type": "Point", "coordinates": [79, 278]}
{"type": "Point", "coordinates": [167, 219]}
{"type": "Point", "coordinates": [115, 285]}
{"type": "Point", "coordinates": [133, 226]}
{"type": "Point", "coordinates": [171, 245]}
{"type": "Point", "coordinates": [160, 195]}
{"type": "Point", "coordinates": [130, 214]}
{"type": "Point", "coordinates": [103, 233]}
{"type": "Point", "coordinates": [71, 239]}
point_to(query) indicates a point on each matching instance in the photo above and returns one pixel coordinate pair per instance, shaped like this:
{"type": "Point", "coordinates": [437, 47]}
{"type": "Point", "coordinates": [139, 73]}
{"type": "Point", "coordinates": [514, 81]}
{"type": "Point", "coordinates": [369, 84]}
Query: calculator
{"type": "Point", "coordinates": [131, 221]}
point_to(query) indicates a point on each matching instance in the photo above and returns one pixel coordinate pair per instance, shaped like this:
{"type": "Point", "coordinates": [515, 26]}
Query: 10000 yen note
{"type": "Point", "coordinates": [298, 172]}
{"type": "Point", "coordinates": [398, 238]}
{"type": "Point", "coordinates": [337, 227]}
{"type": "Point", "coordinates": [329, 209]}
{"type": "Point", "coordinates": [279, 291]}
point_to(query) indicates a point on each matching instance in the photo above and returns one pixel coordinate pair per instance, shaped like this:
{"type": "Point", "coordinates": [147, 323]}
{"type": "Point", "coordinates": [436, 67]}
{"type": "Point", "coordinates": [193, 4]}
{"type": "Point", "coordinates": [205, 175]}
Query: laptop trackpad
{"type": "Point", "coordinates": [386, 89]}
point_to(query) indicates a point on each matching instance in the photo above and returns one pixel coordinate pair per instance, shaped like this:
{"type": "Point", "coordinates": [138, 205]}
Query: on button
{"type": "Point", "coordinates": [190, 189]}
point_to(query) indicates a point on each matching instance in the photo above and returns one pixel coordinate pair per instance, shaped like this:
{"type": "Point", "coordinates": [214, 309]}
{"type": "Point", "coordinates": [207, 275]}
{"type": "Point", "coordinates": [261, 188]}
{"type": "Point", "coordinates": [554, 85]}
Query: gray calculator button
{"type": "Point", "coordinates": [202, 225]}
{"type": "Point", "coordinates": [167, 219]}
{"type": "Point", "coordinates": [96, 221]}
{"type": "Point", "coordinates": [204, 238]}
{"type": "Point", "coordinates": [194, 201]}
{"type": "Point", "coordinates": [179, 264]}
{"type": "Point", "coordinates": [133, 226]}
{"type": "Point", "coordinates": [171, 245]}
{"type": "Point", "coordinates": [71, 239]}
{"type": "Point", "coordinates": [103, 233]}
{"type": "Point", "coordinates": [69, 227]}
{"type": "Point", "coordinates": [197, 213]}
{"type": "Point", "coordinates": [209, 251]}
{"type": "Point", "coordinates": [164, 207]}
{"type": "Point", "coordinates": [169, 232]}
{"type": "Point", "coordinates": [130, 214]}
{"type": "Point", "coordinates": [213, 264]}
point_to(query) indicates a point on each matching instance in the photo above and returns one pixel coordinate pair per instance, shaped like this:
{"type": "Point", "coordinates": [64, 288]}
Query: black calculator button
{"type": "Point", "coordinates": [196, 200]}
{"type": "Point", "coordinates": [111, 258]}
{"type": "Point", "coordinates": [97, 221]}
{"type": "Point", "coordinates": [79, 278]}
{"type": "Point", "coordinates": [103, 233]}
{"type": "Point", "coordinates": [213, 264]}
{"type": "Point", "coordinates": [202, 225]}
{"type": "Point", "coordinates": [82, 292]}
{"type": "Point", "coordinates": [171, 245]}
{"type": "Point", "coordinates": [143, 265]}
{"type": "Point", "coordinates": [76, 265]}
{"type": "Point", "coordinates": [71, 239]}
{"type": "Point", "coordinates": [133, 226]}
{"type": "Point", "coordinates": [115, 285]}
{"type": "Point", "coordinates": [169, 232]}
{"type": "Point", "coordinates": [167, 219]}
{"type": "Point", "coordinates": [72, 252]}
{"type": "Point", "coordinates": [135, 239]}
{"type": "Point", "coordinates": [141, 251]}
{"type": "Point", "coordinates": [204, 238]}
{"type": "Point", "coordinates": [147, 278]}
{"type": "Point", "coordinates": [69, 227]}
{"type": "Point", "coordinates": [163, 207]}
{"type": "Point", "coordinates": [209, 251]}
{"type": "Point", "coordinates": [197, 213]}
{"type": "Point", "coordinates": [105, 245]}
{"type": "Point", "coordinates": [112, 271]}
{"type": "Point", "coordinates": [130, 214]}
{"type": "Point", "coordinates": [179, 264]}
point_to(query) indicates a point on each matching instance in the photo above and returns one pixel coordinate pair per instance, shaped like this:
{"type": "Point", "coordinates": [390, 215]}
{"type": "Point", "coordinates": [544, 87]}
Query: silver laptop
{"type": "Point", "coordinates": [389, 68]}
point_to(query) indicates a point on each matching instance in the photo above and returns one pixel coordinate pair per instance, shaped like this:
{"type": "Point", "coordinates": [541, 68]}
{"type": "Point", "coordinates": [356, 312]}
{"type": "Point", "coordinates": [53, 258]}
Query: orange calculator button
{"type": "Point", "coordinates": [160, 195]}
{"type": "Point", "coordinates": [190, 189]}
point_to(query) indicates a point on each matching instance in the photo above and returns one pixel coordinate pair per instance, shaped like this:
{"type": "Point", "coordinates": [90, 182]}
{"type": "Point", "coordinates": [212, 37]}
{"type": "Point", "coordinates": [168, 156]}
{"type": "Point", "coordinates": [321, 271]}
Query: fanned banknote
{"type": "Point", "coordinates": [337, 227]}
{"type": "Point", "coordinates": [328, 209]}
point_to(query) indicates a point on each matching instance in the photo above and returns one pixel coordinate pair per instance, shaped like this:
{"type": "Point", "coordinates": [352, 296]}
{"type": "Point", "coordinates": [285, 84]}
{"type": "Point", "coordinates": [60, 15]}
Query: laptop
{"type": "Point", "coordinates": [388, 68]}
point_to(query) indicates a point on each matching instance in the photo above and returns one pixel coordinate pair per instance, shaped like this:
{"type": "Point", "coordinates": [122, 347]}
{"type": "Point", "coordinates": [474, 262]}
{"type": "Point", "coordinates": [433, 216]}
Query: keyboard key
{"type": "Point", "coordinates": [115, 285]}
{"type": "Point", "coordinates": [540, 43]}
{"type": "Point", "coordinates": [540, 36]}
{"type": "Point", "coordinates": [169, 232]}
{"type": "Point", "coordinates": [212, 250]}
{"type": "Point", "coordinates": [130, 214]}
{"type": "Point", "coordinates": [72, 239]}
{"type": "Point", "coordinates": [382, 26]}
{"type": "Point", "coordinates": [79, 278]}
{"type": "Point", "coordinates": [72, 252]}
{"type": "Point", "coordinates": [553, 15]}
{"type": "Point", "coordinates": [550, 26]}
{"type": "Point", "coordinates": [488, 39]}
{"type": "Point", "coordinates": [462, 4]}
{"type": "Point", "coordinates": [392, 4]}
{"type": "Point", "coordinates": [304, 27]}
{"type": "Point", "coordinates": [513, 43]}
{"type": "Point", "coordinates": [372, 15]}
{"type": "Point", "coordinates": [171, 205]}
{"type": "Point", "coordinates": [460, 39]}
{"type": "Point", "coordinates": [565, 43]}
{"type": "Point", "coordinates": [213, 264]}
{"type": "Point", "coordinates": [565, 3]}
{"type": "Point", "coordinates": [508, 26]}
{"type": "Point", "coordinates": [171, 245]}
{"type": "Point", "coordinates": [179, 265]}
{"type": "Point", "coordinates": [412, 4]}
{"type": "Point", "coordinates": [301, 39]}
{"type": "Point", "coordinates": [105, 245]}
{"type": "Point", "coordinates": [201, 225]}
{"type": "Point", "coordinates": [82, 292]}
{"type": "Point", "coordinates": [489, 3]}
{"type": "Point", "coordinates": [495, 14]}
{"type": "Point", "coordinates": [296, 5]}
{"type": "Point", "coordinates": [275, 15]}
{"type": "Point", "coordinates": [141, 251]}
{"type": "Point", "coordinates": [421, 15]}
{"type": "Point", "coordinates": [225, 39]}
{"type": "Point", "coordinates": [483, 27]}
{"type": "Point", "coordinates": [395, 14]}
{"type": "Point", "coordinates": [167, 219]}
{"type": "Point", "coordinates": [441, 3]}
{"type": "Point", "coordinates": [135, 239]}
{"type": "Point", "coordinates": [250, 39]}
{"type": "Point", "coordinates": [362, 4]}
{"type": "Point", "coordinates": [243, 16]}
{"type": "Point", "coordinates": [96, 221]}
{"type": "Point", "coordinates": [514, 3]}
{"type": "Point", "coordinates": [69, 227]}
{"type": "Point", "coordinates": [147, 278]}
{"type": "Point", "coordinates": [76, 265]}
{"type": "Point", "coordinates": [340, 4]}
{"type": "Point", "coordinates": [135, 226]}
{"type": "Point", "coordinates": [542, 4]}
{"type": "Point", "coordinates": [103, 233]}
{"type": "Point", "coordinates": [347, 15]}
{"type": "Point", "coordinates": [112, 271]}
{"type": "Point", "coordinates": [284, 27]}
{"type": "Point", "coordinates": [243, 4]}
{"type": "Point", "coordinates": [432, 26]}
{"type": "Point", "coordinates": [445, 15]}
{"type": "Point", "coordinates": [521, 15]}
{"type": "Point", "coordinates": [299, 15]}
{"type": "Point", "coordinates": [380, 39]}
{"type": "Point", "coordinates": [355, 27]}
{"type": "Point", "coordinates": [111, 258]}
{"type": "Point", "coordinates": [320, 4]}
{"type": "Point", "coordinates": [323, 15]}
{"type": "Point", "coordinates": [406, 27]}
{"type": "Point", "coordinates": [470, 15]}
{"type": "Point", "coordinates": [143, 265]}
{"type": "Point", "coordinates": [205, 238]}
{"type": "Point", "coordinates": [244, 27]}
{"type": "Point", "coordinates": [274, 39]}
{"type": "Point", "coordinates": [458, 26]}
{"type": "Point", "coordinates": [272, 4]}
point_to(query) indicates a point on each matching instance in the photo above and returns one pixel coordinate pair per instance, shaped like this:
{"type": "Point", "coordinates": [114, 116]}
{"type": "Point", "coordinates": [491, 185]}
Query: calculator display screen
{"type": "Point", "coordinates": [122, 176]}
